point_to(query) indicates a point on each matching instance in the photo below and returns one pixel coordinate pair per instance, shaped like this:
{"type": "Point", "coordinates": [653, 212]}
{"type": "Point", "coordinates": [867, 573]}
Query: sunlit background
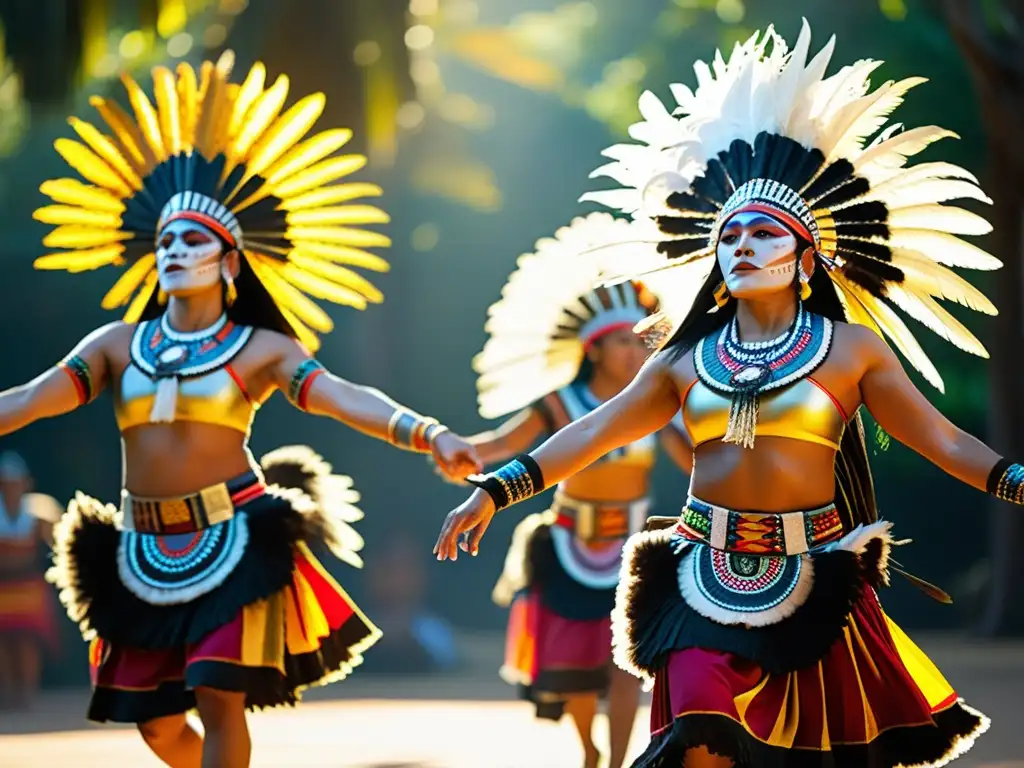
{"type": "Point", "coordinates": [482, 120]}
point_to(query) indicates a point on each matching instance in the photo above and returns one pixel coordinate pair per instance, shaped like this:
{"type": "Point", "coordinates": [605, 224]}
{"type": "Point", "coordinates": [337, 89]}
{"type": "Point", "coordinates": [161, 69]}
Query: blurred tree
{"type": "Point", "coordinates": [989, 35]}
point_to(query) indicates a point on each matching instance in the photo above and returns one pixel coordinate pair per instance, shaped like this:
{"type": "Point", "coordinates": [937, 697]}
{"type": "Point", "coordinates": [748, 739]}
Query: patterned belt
{"type": "Point", "coordinates": [593, 521]}
{"type": "Point", "coordinates": [757, 533]}
{"type": "Point", "coordinates": [188, 514]}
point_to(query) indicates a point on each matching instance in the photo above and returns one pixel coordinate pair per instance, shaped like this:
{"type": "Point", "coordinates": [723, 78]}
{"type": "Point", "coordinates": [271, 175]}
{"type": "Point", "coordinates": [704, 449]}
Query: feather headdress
{"type": "Point", "coordinates": [231, 155]}
{"type": "Point", "coordinates": [553, 307]}
{"type": "Point", "coordinates": [767, 129]}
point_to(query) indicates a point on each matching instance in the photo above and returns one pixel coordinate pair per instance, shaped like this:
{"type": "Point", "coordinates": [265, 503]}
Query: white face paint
{"type": "Point", "coordinates": [757, 255]}
{"type": "Point", "coordinates": [188, 258]}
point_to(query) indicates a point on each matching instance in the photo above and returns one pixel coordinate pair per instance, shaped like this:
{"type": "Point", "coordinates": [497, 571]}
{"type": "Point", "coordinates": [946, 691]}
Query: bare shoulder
{"type": "Point", "coordinates": [110, 336]}
{"type": "Point", "coordinates": [861, 340]}
{"type": "Point", "coordinates": [269, 344]}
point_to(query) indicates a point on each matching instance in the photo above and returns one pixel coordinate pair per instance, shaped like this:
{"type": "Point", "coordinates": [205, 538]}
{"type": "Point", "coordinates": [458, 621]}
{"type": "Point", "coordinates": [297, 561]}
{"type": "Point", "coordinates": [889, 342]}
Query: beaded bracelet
{"type": "Point", "coordinates": [517, 481]}
{"type": "Point", "coordinates": [302, 381]}
{"type": "Point", "coordinates": [78, 371]}
{"type": "Point", "coordinates": [412, 432]}
{"type": "Point", "coordinates": [1006, 482]}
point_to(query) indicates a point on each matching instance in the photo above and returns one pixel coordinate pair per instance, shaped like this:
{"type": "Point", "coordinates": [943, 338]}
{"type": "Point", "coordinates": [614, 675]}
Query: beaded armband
{"type": "Point", "coordinates": [1006, 482]}
{"type": "Point", "coordinates": [302, 380]}
{"type": "Point", "coordinates": [412, 432]}
{"type": "Point", "coordinates": [517, 481]}
{"type": "Point", "coordinates": [78, 371]}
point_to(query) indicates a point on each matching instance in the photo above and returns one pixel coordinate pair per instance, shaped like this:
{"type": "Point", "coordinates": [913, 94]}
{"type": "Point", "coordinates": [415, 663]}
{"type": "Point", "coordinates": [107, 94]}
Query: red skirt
{"type": "Point", "coordinates": [26, 608]}
{"type": "Point", "coordinates": [309, 633]}
{"type": "Point", "coordinates": [875, 699]}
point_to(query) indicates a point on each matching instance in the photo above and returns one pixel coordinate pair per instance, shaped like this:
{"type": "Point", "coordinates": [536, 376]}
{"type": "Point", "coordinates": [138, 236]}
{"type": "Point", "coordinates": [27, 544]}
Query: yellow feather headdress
{"type": "Point", "coordinates": [766, 128]}
{"type": "Point", "coordinates": [230, 153]}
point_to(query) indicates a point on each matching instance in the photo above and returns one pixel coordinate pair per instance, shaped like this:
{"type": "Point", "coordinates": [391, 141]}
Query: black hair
{"type": "Point", "coordinates": [854, 487]}
{"type": "Point", "coordinates": [253, 305]}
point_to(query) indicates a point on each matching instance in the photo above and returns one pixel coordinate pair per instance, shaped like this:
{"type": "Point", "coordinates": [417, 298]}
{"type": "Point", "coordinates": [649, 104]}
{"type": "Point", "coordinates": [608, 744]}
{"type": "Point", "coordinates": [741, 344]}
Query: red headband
{"type": "Point", "coordinates": [206, 221]}
{"type": "Point", "coordinates": [780, 215]}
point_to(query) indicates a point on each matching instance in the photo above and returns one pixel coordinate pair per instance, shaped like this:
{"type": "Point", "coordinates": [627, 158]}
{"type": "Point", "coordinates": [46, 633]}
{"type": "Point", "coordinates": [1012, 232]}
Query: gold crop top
{"type": "Point", "coordinates": [802, 411]}
{"type": "Point", "coordinates": [216, 398]}
{"type": "Point", "coordinates": [176, 376]}
{"type": "Point", "coordinates": [578, 401]}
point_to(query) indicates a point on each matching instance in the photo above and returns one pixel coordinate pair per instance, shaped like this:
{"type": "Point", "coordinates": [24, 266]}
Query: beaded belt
{"type": "Point", "coordinates": [592, 521]}
{"type": "Point", "coordinates": [758, 533]}
{"type": "Point", "coordinates": [188, 514]}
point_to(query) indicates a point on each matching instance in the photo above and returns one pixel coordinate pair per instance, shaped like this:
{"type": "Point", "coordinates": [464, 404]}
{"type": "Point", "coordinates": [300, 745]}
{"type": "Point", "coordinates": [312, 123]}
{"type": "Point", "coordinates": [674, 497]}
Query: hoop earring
{"type": "Point", "coordinates": [161, 297]}
{"type": "Point", "coordinates": [721, 295]}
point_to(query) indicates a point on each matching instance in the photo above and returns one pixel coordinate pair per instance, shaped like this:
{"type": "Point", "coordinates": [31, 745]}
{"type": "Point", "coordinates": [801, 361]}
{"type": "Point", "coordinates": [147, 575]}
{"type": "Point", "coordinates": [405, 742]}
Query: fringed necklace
{"type": "Point", "coordinates": [744, 370]}
{"type": "Point", "coordinates": [167, 356]}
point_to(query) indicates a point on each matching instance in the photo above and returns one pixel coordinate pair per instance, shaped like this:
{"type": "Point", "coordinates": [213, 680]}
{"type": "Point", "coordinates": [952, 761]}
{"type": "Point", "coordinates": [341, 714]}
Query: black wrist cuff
{"type": "Point", "coordinates": [992, 484]}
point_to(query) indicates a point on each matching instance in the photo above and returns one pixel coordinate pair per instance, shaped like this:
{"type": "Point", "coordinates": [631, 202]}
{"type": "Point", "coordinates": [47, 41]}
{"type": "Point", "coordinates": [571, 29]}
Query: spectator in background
{"type": "Point", "coordinates": [415, 641]}
{"type": "Point", "coordinates": [27, 615]}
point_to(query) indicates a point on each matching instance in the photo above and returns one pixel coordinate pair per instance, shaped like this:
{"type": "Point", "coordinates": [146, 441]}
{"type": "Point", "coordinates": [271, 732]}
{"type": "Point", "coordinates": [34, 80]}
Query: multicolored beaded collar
{"type": "Point", "coordinates": [743, 370]}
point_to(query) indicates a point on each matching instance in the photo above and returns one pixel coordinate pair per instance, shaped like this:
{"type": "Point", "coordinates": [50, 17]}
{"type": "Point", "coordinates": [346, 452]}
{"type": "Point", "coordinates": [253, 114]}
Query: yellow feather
{"type": "Point", "coordinates": [126, 133]}
{"type": "Point", "coordinates": [348, 214]}
{"type": "Point", "coordinates": [264, 111]}
{"type": "Point", "coordinates": [106, 150]}
{"type": "Point", "coordinates": [319, 175]}
{"type": "Point", "coordinates": [340, 275]}
{"type": "Point", "coordinates": [934, 316]}
{"type": "Point", "coordinates": [898, 333]}
{"type": "Point", "coordinates": [84, 237]}
{"type": "Point", "coordinates": [141, 299]}
{"type": "Point", "coordinates": [286, 295]}
{"type": "Point", "coordinates": [129, 282]}
{"type": "Point", "coordinates": [922, 275]}
{"type": "Point", "coordinates": [205, 76]}
{"type": "Point", "coordinates": [250, 89]}
{"type": "Point", "coordinates": [74, 192]}
{"type": "Point", "coordinates": [341, 254]}
{"type": "Point", "coordinates": [81, 261]}
{"type": "Point", "coordinates": [188, 104]}
{"type": "Point", "coordinates": [307, 153]}
{"type": "Point", "coordinates": [322, 289]}
{"type": "Point", "coordinates": [165, 89]}
{"type": "Point", "coordinates": [357, 238]}
{"type": "Point", "coordinates": [92, 168]}
{"type": "Point", "coordinates": [307, 338]}
{"type": "Point", "coordinates": [338, 193]}
{"type": "Point", "coordinates": [66, 214]}
{"type": "Point", "coordinates": [285, 132]}
{"type": "Point", "coordinates": [146, 116]}
{"type": "Point", "coordinates": [211, 112]}
{"type": "Point", "coordinates": [226, 63]}
{"type": "Point", "coordinates": [855, 311]}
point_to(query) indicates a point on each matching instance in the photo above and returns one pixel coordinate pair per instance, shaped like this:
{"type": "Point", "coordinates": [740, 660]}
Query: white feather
{"type": "Point", "coordinates": [944, 248]}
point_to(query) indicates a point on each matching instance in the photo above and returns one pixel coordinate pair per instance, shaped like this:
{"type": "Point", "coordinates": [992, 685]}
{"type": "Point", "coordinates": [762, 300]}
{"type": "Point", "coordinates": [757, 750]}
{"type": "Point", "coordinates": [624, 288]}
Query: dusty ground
{"type": "Point", "coordinates": [463, 722]}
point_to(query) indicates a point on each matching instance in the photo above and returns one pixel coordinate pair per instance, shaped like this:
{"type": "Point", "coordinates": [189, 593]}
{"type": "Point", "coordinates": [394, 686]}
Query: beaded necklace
{"type": "Point", "coordinates": [744, 370]}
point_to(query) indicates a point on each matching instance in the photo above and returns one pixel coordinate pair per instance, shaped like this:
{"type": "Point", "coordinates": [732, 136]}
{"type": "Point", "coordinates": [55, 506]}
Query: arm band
{"type": "Point", "coordinates": [412, 432]}
{"type": "Point", "coordinates": [517, 481]}
{"type": "Point", "coordinates": [78, 371]}
{"type": "Point", "coordinates": [302, 381]}
{"type": "Point", "coordinates": [1006, 482]}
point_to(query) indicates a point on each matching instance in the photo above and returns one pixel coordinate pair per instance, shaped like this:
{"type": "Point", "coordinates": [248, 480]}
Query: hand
{"type": "Point", "coordinates": [442, 475]}
{"type": "Point", "coordinates": [472, 518]}
{"type": "Point", "coordinates": [455, 456]}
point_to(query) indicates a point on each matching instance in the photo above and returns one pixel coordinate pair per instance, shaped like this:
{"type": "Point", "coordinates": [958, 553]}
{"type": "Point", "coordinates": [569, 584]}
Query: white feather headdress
{"type": "Point", "coordinates": [768, 127]}
{"type": "Point", "coordinates": [553, 306]}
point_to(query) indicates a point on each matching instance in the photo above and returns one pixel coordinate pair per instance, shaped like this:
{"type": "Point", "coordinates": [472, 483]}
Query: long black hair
{"type": "Point", "coordinates": [253, 305]}
{"type": "Point", "coordinates": [854, 487]}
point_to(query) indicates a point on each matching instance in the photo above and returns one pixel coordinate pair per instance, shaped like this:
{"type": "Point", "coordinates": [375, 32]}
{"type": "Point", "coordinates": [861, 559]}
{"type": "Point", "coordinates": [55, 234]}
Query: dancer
{"type": "Point", "coordinates": [561, 345]}
{"type": "Point", "coordinates": [201, 590]}
{"type": "Point", "coordinates": [27, 619]}
{"type": "Point", "coordinates": [755, 612]}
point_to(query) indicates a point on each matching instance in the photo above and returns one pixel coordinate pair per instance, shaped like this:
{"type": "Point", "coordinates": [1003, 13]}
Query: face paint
{"type": "Point", "coordinates": [757, 255]}
{"type": "Point", "coordinates": [188, 258]}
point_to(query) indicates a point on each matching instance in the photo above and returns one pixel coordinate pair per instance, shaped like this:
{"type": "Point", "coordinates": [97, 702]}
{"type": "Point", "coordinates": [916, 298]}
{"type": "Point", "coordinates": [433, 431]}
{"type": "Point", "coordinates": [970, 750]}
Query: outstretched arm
{"type": "Point", "coordinates": [676, 444]}
{"type": "Point", "coordinates": [643, 407]}
{"type": "Point", "coordinates": [312, 388]}
{"type": "Point", "coordinates": [905, 413]}
{"type": "Point", "coordinates": [73, 382]}
{"type": "Point", "coordinates": [510, 439]}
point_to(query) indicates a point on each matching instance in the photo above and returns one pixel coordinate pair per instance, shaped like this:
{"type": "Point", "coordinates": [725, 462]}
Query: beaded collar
{"type": "Point", "coordinates": [743, 370]}
{"type": "Point", "coordinates": [159, 351]}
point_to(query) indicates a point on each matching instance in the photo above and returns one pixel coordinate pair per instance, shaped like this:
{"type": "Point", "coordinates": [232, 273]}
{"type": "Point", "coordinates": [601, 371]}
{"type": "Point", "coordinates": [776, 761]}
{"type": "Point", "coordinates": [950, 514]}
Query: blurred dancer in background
{"type": "Point", "coordinates": [27, 617]}
{"type": "Point", "coordinates": [560, 345]}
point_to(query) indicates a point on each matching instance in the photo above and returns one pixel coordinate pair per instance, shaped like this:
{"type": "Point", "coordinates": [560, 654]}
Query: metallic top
{"type": "Point", "coordinates": [802, 411]}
